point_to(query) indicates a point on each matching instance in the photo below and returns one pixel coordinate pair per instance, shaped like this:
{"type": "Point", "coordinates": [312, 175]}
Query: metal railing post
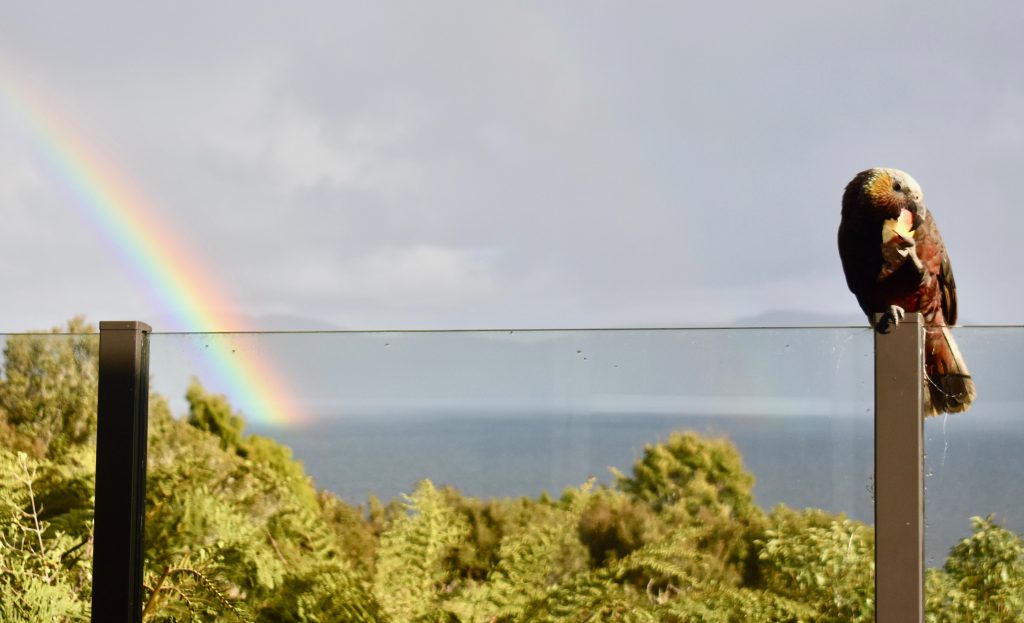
{"type": "Point", "coordinates": [899, 473]}
{"type": "Point", "coordinates": [123, 413]}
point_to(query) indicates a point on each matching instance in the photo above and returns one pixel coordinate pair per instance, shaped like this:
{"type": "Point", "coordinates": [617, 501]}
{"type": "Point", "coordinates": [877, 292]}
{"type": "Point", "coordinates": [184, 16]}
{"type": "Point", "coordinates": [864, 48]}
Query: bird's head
{"type": "Point", "coordinates": [881, 194]}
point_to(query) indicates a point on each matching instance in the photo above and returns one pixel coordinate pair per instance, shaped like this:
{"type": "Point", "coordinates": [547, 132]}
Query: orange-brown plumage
{"type": "Point", "coordinates": [887, 272]}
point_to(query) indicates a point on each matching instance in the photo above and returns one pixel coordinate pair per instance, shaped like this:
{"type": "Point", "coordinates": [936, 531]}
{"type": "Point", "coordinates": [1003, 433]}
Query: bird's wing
{"type": "Point", "coordinates": [948, 289]}
{"type": "Point", "coordinates": [861, 262]}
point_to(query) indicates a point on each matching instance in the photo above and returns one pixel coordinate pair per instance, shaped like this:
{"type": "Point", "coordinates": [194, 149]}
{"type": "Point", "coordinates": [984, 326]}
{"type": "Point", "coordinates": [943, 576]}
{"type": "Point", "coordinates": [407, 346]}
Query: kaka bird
{"type": "Point", "coordinates": [895, 261]}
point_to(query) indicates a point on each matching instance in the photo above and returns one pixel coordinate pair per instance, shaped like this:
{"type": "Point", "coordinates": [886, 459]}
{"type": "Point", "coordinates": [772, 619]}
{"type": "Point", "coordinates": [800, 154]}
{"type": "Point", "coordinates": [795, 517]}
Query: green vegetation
{"type": "Point", "coordinates": [235, 531]}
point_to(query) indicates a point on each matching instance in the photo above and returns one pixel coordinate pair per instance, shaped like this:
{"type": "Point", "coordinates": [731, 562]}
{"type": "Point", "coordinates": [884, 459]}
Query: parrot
{"type": "Point", "coordinates": [895, 261]}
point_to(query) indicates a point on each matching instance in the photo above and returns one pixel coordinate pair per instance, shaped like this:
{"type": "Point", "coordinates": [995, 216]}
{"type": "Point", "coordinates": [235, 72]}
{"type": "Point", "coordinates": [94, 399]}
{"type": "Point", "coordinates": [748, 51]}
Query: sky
{"type": "Point", "coordinates": [440, 165]}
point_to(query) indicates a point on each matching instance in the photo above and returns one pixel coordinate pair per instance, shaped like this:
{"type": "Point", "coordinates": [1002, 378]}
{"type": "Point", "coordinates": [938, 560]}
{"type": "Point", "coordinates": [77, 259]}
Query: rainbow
{"type": "Point", "coordinates": [163, 263]}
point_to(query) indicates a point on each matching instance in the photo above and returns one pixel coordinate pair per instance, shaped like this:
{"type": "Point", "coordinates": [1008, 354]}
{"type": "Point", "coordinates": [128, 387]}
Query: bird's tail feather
{"type": "Point", "coordinates": [948, 386]}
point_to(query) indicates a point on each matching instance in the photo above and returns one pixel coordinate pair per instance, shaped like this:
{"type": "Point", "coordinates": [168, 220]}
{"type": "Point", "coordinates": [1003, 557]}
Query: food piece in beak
{"type": "Point", "coordinates": [898, 244]}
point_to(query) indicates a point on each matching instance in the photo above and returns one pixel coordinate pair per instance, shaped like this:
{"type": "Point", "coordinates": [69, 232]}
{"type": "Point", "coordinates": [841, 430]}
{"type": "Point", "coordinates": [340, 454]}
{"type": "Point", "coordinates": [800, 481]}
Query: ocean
{"type": "Point", "coordinates": [972, 469]}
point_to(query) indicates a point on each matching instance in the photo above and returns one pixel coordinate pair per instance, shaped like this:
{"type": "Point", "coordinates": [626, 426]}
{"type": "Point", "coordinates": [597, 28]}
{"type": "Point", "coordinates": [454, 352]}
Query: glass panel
{"type": "Point", "coordinates": [973, 467]}
{"type": "Point", "coordinates": [47, 474]}
{"type": "Point", "coordinates": [508, 427]}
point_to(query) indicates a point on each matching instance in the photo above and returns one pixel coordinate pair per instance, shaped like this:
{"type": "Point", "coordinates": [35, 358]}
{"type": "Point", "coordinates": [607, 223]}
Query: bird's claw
{"type": "Point", "coordinates": [891, 318]}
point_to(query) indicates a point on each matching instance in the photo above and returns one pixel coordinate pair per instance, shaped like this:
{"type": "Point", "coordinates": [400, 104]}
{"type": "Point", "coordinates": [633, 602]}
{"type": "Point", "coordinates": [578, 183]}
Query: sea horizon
{"type": "Point", "coordinates": [802, 461]}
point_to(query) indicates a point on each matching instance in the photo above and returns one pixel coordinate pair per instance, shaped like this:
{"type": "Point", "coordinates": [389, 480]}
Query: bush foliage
{"type": "Point", "coordinates": [236, 531]}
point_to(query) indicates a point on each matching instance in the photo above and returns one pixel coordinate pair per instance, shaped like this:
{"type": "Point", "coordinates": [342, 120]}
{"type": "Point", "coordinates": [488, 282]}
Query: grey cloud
{"type": "Point", "coordinates": [658, 163]}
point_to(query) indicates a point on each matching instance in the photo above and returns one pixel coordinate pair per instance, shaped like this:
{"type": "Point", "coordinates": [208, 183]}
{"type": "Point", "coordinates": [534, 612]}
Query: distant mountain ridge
{"type": "Point", "coordinates": [799, 318]}
{"type": "Point", "coordinates": [263, 322]}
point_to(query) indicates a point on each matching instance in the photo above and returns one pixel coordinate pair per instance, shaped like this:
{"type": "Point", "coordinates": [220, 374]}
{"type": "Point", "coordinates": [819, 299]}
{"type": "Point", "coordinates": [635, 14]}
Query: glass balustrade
{"type": "Point", "coordinates": [473, 473]}
{"type": "Point", "coordinates": [974, 491]}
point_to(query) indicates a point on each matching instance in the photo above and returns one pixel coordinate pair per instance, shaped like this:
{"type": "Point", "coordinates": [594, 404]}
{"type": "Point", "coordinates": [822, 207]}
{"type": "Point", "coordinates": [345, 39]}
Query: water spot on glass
{"type": "Point", "coordinates": [387, 344]}
{"type": "Point", "coordinates": [578, 352]}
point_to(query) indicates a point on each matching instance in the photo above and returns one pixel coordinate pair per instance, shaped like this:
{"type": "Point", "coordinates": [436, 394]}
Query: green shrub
{"type": "Point", "coordinates": [982, 580]}
{"type": "Point", "coordinates": [824, 561]}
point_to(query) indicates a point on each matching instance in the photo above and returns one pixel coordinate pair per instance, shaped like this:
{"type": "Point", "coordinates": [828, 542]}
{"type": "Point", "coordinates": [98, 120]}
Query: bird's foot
{"type": "Point", "coordinates": [891, 318]}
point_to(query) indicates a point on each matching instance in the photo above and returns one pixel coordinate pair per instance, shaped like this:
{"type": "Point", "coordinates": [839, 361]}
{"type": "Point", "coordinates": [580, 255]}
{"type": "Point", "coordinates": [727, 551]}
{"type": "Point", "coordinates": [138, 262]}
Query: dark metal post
{"type": "Point", "coordinates": [123, 414]}
{"type": "Point", "coordinates": [899, 473]}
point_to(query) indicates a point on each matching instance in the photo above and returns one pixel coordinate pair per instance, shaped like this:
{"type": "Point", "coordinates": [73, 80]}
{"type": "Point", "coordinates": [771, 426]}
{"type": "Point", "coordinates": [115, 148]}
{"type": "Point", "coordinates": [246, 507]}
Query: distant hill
{"type": "Point", "coordinates": [799, 318]}
{"type": "Point", "coordinates": [286, 322]}
{"type": "Point", "coordinates": [264, 322]}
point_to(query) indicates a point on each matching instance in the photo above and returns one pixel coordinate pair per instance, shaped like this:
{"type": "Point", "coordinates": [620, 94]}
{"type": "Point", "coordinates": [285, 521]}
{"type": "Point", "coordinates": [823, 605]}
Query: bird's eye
{"type": "Point", "coordinates": [897, 187]}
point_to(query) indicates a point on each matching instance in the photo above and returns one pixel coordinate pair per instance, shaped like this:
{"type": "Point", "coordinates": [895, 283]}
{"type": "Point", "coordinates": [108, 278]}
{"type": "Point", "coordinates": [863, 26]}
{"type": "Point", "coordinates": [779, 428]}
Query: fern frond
{"type": "Point", "coordinates": [411, 573]}
{"type": "Point", "coordinates": [536, 559]}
